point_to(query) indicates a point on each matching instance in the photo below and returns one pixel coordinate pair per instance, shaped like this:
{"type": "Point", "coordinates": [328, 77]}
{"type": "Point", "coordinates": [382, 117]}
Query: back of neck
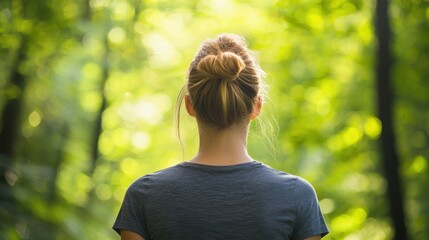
{"type": "Point", "coordinates": [222, 147]}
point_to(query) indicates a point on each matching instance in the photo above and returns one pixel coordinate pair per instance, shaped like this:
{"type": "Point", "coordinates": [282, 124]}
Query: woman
{"type": "Point", "coordinates": [222, 193]}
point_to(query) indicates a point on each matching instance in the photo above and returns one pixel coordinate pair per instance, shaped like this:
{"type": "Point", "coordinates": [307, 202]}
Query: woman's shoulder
{"type": "Point", "coordinates": [162, 173]}
{"type": "Point", "coordinates": [281, 176]}
{"type": "Point", "coordinates": [278, 174]}
{"type": "Point", "coordinates": [161, 176]}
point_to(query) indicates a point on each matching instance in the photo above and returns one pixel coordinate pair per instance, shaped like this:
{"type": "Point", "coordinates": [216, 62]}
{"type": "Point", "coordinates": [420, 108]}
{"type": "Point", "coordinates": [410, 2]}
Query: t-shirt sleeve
{"type": "Point", "coordinates": [310, 221]}
{"type": "Point", "coordinates": [130, 216]}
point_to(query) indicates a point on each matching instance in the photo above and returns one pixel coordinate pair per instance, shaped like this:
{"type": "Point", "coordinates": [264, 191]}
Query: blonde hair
{"type": "Point", "coordinates": [224, 81]}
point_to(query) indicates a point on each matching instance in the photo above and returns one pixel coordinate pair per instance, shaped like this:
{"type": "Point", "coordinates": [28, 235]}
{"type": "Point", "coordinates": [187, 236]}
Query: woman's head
{"type": "Point", "coordinates": [224, 82]}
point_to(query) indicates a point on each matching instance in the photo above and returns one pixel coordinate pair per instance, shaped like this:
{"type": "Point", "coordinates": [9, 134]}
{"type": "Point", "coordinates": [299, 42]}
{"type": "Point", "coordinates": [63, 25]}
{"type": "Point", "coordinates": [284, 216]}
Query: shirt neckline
{"type": "Point", "coordinates": [221, 168]}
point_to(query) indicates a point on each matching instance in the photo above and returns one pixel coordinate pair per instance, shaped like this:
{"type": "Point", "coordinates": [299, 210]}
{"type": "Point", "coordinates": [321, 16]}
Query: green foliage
{"type": "Point", "coordinates": [318, 56]}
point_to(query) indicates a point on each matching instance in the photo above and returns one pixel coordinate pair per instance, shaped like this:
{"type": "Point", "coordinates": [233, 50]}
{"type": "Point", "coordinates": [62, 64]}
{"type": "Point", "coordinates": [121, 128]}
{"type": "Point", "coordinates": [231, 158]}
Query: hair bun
{"type": "Point", "coordinates": [226, 65]}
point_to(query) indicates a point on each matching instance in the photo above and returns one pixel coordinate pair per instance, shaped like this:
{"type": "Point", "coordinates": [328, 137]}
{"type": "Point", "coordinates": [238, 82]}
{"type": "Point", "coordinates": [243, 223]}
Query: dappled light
{"type": "Point", "coordinates": [93, 86]}
{"type": "Point", "coordinates": [34, 119]}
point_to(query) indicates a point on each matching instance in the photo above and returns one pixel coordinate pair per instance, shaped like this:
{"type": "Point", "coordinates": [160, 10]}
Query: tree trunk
{"type": "Point", "coordinates": [384, 99]}
{"type": "Point", "coordinates": [95, 154]}
{"type": "Point", "coordinates": [10, 122]}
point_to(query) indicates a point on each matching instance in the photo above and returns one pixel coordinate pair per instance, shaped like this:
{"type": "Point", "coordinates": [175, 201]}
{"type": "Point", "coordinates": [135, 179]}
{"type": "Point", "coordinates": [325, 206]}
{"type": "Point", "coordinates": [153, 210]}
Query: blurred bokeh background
{"type": "Point", "coordinates": [88, 90]}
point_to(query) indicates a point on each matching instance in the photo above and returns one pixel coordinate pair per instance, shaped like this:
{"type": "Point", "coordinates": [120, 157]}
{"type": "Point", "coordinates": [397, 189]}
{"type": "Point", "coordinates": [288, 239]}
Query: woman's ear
{"type": "Point", "coordinates": [256, 108]}
{"type": "Point", "coordinates": [189, 106]}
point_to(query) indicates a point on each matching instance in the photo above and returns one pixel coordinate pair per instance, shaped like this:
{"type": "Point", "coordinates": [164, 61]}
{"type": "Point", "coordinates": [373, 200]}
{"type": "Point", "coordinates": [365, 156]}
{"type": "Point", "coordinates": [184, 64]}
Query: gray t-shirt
{"type": "Point", "coordinates": [244, 201]}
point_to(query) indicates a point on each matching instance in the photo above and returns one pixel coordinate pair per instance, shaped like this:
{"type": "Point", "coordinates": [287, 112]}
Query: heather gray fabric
{"type": "Point", "coordinates": [244, 201]}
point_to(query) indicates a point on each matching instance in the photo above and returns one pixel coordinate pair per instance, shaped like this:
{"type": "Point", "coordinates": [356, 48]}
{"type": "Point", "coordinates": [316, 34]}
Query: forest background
{"type": "Point", "coordinates": [88, 90]}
